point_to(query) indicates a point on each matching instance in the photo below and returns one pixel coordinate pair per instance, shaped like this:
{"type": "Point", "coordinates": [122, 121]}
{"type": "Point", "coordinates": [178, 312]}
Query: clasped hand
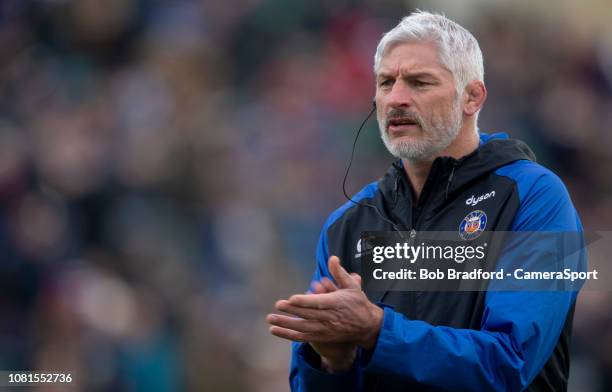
{"type": "Point", "coordinates": [334, 319]}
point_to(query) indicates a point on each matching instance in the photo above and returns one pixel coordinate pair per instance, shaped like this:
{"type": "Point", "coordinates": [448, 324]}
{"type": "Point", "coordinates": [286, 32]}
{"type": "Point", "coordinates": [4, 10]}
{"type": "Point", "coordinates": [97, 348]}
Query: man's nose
{"type": "Point", "coordinates": [400, 95]}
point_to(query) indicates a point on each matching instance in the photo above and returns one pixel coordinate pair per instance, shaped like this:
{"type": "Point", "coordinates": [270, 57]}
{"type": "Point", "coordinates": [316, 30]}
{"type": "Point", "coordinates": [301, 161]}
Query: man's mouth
{"type": "Point", "coordinates": [401, 123]}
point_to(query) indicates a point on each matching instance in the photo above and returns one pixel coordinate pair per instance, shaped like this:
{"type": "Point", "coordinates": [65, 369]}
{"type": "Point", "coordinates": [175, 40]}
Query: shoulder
{"type": "Point", "coordinates": [532, 179]}
{"type": "Point", "coordinates": [338, 219]}
{"type": "Point", "coordinates": [367, 192]}
{"type": "Point", "coordinates": [545, 203]}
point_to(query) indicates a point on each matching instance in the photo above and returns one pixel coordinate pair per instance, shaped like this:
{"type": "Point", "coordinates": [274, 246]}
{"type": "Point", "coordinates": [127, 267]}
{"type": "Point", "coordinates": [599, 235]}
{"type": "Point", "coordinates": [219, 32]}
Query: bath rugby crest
{"type": "Point", "coordinates": [473, 225]}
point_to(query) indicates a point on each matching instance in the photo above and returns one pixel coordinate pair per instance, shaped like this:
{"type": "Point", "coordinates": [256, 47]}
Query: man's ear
{"type": "Point", "coordinates": [476, 94]}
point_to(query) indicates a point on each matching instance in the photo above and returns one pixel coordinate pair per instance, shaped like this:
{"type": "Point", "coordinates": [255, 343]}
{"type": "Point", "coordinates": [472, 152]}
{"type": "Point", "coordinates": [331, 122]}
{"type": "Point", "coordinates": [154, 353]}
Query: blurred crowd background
{"type": "Point", "coordinates": [166, 167]}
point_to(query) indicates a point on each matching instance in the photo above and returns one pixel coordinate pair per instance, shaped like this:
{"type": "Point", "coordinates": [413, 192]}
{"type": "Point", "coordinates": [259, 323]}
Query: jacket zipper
{"type": "Point", "coordinates": [450, 180]}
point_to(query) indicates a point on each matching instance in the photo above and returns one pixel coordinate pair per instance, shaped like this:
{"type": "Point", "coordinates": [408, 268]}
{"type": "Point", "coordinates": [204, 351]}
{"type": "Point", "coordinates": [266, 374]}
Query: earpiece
{"type": "Point", "coordinates": [348, 168]}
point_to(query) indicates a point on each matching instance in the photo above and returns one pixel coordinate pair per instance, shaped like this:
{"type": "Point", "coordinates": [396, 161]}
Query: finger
{"type": "Point", "coordinates": [344, 280]}
{"type": "Point", "coordinates": [294, 323]}
{"type": "Point", "coordinates": [297, 336]}
{"type": "Point", "coordinates": [318, 288]}
{"type": "Point", "coordinates": [328, 285]}
{"type": "Point", "coordinates": [356, 277]}
{"type": "Point", "coordinates": [288, 334]}
{"type": "Point", "coordinates": [320, 301]}
{"type": "Point", "coordinates": [305, 313]}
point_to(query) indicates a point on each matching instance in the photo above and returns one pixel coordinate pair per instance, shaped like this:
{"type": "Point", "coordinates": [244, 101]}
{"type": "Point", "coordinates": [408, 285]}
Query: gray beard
{"type": "Point", "coordinates": [436, 137]}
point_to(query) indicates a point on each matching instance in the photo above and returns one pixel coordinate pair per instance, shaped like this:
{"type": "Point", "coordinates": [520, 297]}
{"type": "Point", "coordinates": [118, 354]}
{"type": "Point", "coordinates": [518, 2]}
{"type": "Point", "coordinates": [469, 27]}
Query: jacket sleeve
{"type": "Point", "coordinates": [519, 329]}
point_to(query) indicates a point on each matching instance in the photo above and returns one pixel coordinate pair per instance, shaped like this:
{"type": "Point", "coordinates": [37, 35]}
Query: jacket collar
{"type": "Point", "coordinates": [449, 176]}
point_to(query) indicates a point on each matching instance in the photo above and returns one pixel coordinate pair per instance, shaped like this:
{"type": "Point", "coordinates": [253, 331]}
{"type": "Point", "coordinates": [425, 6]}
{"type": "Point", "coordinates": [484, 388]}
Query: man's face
{"type": "Point", "coordinates": [418, 109]}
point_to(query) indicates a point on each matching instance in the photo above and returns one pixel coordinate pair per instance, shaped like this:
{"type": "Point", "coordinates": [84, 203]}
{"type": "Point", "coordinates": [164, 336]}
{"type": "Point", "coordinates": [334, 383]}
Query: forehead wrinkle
{"type": "Point", "coordinates": [395, 59]}
{"type": "Point", "coordinates": [405, 72]}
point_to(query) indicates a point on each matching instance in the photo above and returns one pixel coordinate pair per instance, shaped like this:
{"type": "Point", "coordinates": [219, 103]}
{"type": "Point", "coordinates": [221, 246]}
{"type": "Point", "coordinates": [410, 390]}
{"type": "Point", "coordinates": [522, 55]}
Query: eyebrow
{"type": "Point", "coordinates": [412, 75]}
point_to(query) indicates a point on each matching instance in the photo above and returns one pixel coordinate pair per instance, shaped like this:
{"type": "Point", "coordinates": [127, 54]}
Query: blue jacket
{"type": "Point", "coordinates": [462, 341]}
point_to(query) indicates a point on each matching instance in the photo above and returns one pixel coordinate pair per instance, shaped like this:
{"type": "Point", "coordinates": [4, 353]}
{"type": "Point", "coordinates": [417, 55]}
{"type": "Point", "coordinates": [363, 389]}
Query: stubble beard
{"type": "Point", "coordinates": [435, 136]}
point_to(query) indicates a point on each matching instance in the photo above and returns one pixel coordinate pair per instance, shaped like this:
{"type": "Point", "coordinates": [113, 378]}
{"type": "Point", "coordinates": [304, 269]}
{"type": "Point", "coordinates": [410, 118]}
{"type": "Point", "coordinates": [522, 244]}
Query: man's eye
{"type": "Point", "coordinates": [386, 82]}
{"type": "Point", "coordinates": [420, 83]}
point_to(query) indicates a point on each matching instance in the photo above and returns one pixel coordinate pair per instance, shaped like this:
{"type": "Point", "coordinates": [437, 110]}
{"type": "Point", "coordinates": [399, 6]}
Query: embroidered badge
{"type": "Point", "coordinates": [473, 225]}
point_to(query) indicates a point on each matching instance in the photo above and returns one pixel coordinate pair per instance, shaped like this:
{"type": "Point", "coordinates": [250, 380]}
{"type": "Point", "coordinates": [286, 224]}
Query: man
{"type": "Point", "coordinates": [429, 91]}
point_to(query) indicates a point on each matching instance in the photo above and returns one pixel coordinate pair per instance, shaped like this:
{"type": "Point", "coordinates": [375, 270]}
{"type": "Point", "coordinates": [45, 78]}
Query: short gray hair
{"type": "Point", "coordinates": [458, 49]}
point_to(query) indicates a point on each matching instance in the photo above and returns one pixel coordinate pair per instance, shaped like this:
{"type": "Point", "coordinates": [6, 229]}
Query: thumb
{"type": "Point", "coordinates": [344, 280]}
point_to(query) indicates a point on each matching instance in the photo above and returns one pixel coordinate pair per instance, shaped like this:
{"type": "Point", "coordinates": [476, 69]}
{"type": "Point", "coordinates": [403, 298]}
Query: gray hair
{"type": "Point", "coordinates": [459, 51]}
